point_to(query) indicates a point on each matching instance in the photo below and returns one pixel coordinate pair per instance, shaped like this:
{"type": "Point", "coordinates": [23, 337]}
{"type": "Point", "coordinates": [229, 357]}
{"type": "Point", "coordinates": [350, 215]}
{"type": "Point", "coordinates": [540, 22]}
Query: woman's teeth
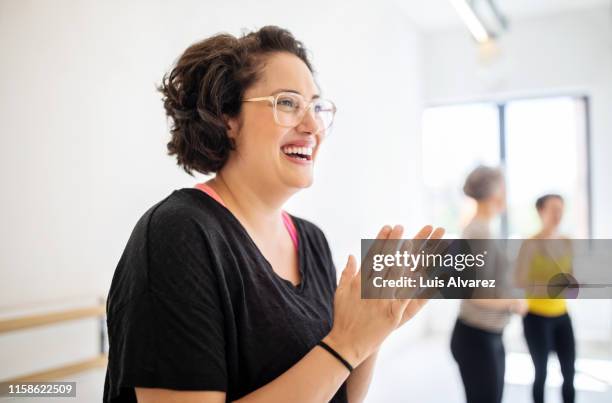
{"type": "Point", "coordinates": [302, 153]}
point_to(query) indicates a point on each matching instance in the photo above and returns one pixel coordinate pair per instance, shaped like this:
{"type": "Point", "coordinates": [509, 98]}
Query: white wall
{"type": "Point", "coordinates": [84, 134]}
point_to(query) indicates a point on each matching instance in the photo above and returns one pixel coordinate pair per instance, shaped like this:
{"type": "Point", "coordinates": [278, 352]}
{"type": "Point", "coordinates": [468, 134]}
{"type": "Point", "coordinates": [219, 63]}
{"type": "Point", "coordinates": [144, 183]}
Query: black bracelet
{"type": "Point", "coordinates": [335, 354]}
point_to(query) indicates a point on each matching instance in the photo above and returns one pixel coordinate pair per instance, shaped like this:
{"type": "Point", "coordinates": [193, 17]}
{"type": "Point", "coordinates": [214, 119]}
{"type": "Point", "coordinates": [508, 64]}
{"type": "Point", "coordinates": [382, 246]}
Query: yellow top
{"type": "Point", "coordinates": [541, 269]}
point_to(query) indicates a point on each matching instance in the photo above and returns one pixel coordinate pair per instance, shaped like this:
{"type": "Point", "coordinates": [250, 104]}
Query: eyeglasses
{"type": "Point", "coordinates": [290, 108]}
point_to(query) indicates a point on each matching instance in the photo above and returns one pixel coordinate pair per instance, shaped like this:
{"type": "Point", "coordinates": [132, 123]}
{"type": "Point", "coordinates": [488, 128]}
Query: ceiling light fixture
{"type": "Point", "coordinates": [467, 14]}
{"type": "Point", "coordinates": [482, 18]}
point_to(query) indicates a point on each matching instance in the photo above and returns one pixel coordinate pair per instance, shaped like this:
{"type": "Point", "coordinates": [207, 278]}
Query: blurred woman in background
{"type": "Point", "coordinates": [476, 342]}
{"type": "Point", "coordinates": [547, 326]}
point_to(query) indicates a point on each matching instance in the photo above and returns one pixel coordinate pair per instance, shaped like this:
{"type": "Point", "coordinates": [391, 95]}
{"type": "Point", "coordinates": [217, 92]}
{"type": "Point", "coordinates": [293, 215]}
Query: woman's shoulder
{"type": "Point", "coordinates": [162, 244]}
{"type": "Point", "coordinates": [184, 209]}
{"type": "Point", "coordinates": [181, 211]}
{"type": "Point", "coordinates": [183, 216]}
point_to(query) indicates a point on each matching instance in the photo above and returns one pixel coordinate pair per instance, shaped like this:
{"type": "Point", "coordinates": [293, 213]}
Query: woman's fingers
{"type": "Point", "coordinates": [424, 239]}
{"type": "Point", "coordinates": [420, 238]}
{"type": "Point", "coordinates": [412, 308]}
{"type": "Point", "coordinates": [384, 232]}
{"type": "Point", "coordinates": [396, 232]}
{"type": "Point", "coordinates": [427, 238]}
{"type": "Point", "coordinates": [423, 232]}
{"type": "Point", "coordinates": [389, 241]}
{"type": "Point", "coordinates": [398, 308]}
{"type": "Point", "coordinates": [438, 233]}
{"type": "Point", "coordinates": [437, 244]}
{"type": "Point", "coordinates": [348, 273]}
{"type": "Point", "coordinates": [390, 245]}
{"type": "Point", "coordinates": [387, 247]}
{"type": "Point", "coordinates": [376, 247]}
{"type": "Point", "coordinates": [378, 243]}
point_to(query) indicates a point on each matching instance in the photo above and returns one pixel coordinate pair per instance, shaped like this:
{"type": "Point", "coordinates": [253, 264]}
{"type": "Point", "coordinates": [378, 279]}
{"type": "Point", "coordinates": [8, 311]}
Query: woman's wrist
{"type": "Point", "coordinates": [336, 355]}
{"type": "Point", "coordinates": [345, 348]}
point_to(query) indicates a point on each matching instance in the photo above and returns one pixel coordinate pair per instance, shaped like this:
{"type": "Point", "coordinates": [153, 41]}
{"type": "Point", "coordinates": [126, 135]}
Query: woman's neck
{"type": "Point", "coordinates": [484, 212]}
{"type": "Point", "coordinates": [548, 233]}
{"type": "Point", "coordinates": [257, 209]}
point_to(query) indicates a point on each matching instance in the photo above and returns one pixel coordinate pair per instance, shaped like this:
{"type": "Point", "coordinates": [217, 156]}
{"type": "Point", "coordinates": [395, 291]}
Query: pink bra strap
{"type": "Point", "coordinates": [210, 191]}
{"type": "Point", "coordinates": [290, 228]}
{"type": "Point", "coordinates": [286, 217]}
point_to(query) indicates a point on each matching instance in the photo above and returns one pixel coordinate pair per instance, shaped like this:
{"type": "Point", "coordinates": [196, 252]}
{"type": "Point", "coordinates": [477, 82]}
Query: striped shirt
{"type": "Point", "coordinates": [475, 315]}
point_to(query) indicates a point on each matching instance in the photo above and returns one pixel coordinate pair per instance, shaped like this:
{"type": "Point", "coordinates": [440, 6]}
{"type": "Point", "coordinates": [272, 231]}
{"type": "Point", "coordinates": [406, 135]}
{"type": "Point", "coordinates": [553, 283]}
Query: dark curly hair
{"type": "Point", "coordinates": [541, 202]}
{"type": "Point", "coordinates": [207, 84]}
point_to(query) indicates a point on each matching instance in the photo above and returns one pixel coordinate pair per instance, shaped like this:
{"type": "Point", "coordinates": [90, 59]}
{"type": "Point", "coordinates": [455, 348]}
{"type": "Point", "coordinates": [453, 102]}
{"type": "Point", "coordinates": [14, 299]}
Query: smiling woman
{"type": "Point", "coordinates": [221, 295]}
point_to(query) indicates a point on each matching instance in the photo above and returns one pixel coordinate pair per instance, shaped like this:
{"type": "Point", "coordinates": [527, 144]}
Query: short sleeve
{"type": "Point", "coordinates": [169, 332]}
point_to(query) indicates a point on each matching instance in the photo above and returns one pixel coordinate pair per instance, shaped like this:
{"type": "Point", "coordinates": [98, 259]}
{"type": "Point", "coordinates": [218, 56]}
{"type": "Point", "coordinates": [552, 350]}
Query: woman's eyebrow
{"type": "Point", "coordinates": [315, 96]}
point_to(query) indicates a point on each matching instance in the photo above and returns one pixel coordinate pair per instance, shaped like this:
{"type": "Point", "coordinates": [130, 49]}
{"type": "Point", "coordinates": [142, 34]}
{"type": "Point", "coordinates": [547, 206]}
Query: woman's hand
{"type": "Point", "coordinates": [361, 325]}
{"type": "Point", "coordinates": [518, 306]}
{"type": "Point", "coordinates": [415, 304]}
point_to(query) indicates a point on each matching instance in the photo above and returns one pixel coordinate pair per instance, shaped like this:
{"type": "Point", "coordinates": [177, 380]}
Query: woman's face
{"type": "Point", "coordinates": [498, 198]}
{"type": "Point", "coordinates": [263, 147]}
{"type": "Point", "coordinates": [551, 212]}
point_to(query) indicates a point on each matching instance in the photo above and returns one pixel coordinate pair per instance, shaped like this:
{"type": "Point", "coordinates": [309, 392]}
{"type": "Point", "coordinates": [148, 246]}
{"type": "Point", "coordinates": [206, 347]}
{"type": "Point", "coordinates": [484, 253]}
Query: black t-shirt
{"type": "Point", "coordinates": [194, 305]}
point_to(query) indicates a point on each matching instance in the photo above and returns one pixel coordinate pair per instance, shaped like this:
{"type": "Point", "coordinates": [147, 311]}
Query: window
{"type": "Point", "coordinates": [542, 144]}
{"type": "Point", "coordinates": [546, 153]}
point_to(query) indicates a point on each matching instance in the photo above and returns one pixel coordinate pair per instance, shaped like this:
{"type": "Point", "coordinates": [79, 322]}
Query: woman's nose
{"type": "Point", "coordinates": [309, 123]}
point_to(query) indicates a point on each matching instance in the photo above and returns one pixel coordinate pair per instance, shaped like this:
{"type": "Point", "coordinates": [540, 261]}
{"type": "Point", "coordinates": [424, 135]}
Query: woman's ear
{"type": "Point", "coordinates": [233, 125]}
